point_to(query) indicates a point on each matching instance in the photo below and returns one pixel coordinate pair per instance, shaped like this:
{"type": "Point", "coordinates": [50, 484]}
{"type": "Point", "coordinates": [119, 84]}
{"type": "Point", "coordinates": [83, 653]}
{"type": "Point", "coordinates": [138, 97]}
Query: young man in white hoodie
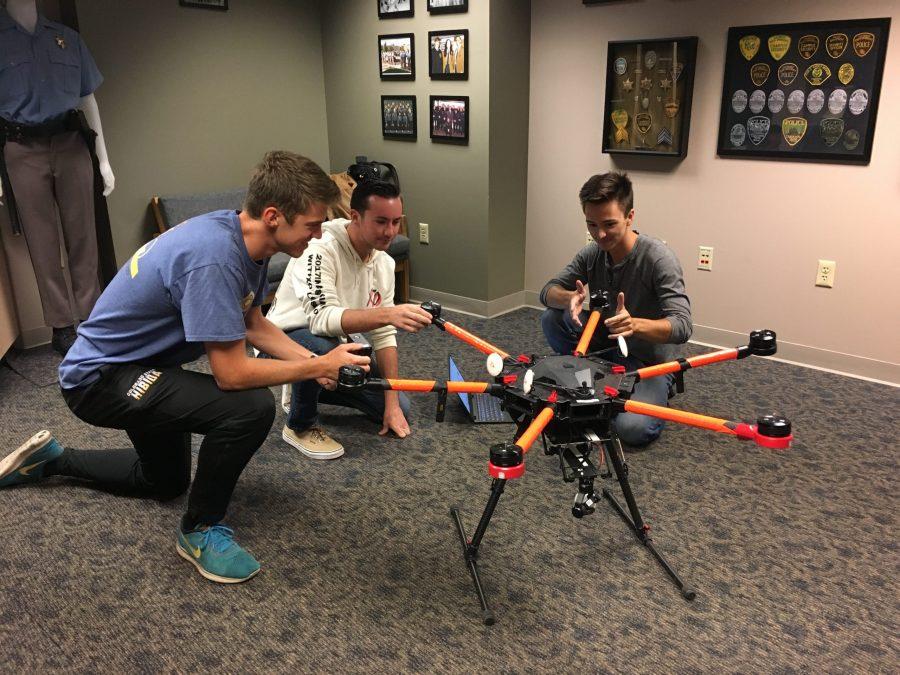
{"type": "Point", "coordinates": [344, 284]}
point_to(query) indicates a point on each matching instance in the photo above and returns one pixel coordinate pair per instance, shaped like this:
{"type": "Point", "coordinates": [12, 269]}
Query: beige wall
{"type": "Point", "coordinates": [444, 185]}
{"type": "Point", "coordinates": [769, 221]}
{"type": "Point", "coordinates": [192, 98]}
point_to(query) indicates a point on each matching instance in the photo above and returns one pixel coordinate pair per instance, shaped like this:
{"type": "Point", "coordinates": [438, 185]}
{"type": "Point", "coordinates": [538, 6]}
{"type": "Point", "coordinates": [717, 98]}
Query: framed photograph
{"type": "Point", "coordinates": [448, 6]}
{"type": "Point", "coordinates": [649, 88]}
{"type": "Point", "coordinates": [205, 4]}
{"type": "Point", "coordinates": [450, 119]}
{"type": "Point", "coordinates": [398, 117]}
{"type": "Point", "coordinates": [803, 91]}
{"type": "Point", "coordinates": [396, 56]}
{"type": "Point", "coordinates": [395, 9]}
{"type": "Point", "coordinates": [448, 54]}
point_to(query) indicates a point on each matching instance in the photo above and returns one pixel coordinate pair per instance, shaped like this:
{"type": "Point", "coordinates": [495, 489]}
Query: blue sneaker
{"type": "Point", "coordinates": [26, 464]}
{"type": "Point", "coordinates": [215, 554]}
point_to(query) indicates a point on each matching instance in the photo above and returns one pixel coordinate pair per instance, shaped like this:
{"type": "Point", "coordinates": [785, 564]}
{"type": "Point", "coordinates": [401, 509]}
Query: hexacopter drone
{"type": "Point", "coordinates": [570, 403]}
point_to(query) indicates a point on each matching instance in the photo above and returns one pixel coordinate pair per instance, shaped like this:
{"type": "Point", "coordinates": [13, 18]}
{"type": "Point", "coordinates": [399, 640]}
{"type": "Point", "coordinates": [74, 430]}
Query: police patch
{"type": "Point", "coordinates": [757, 101]}
{"type": "Point", "coordinates": [776, 101]}
{"type": "Point", "coordinates": [862, 43]}
{"type": "Point", "coordinates": [650, 59]}
{"type": "Point", "coordinates": [739, 101]}
{"type": "Point", "coordinates": [836, 44]}
{"type": "Point", "coordinates": [831, 129]}
{"type": "Point", "coordinates": [758, 129]}
{"type": "Point", "coordinates": [859, 99]}
{"type": "Point", "coordinates": [759, 73]}
{"type": "Point", "coordinates": [817, 73]}
{"type": "Point", "coordinates": [642, 122]}
{"type": "Point", "coordinates": [787, 73]}
{"type": "Point", "coordinates": [620, 65]}
{"type": "Point", "coordinates": [837, 101]}
{"type": "Point", "coordinates": [795, 101]}
{"type": "Point", "coordinates": [749, 45]}
{"type": "Point", "coordinates": [851, 139]}
{"type": "Point", "coordinates": [779, 45]}
{"type": "Point", "coordinates": [738, 135]}
{"type": "Point", "coordinates": [845, 73]}
{"type": "Point", "coordinates": [808, 45]}
{"type": "Point", "coordinates": [793, 129]}
{"type": "Point", "coordinates": [815, 101]}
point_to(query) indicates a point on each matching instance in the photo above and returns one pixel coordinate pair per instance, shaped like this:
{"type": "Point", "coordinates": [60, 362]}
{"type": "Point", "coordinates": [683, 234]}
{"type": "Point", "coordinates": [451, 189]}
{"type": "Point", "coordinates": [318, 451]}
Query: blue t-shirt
{"type": "Point", "coordinates": [188, 286]}
{"type": "Point", "coordinates": [45, 74]}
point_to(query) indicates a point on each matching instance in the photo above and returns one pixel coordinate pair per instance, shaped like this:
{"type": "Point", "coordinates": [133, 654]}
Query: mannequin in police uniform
{"type": "Point", "coordinates": [46, 72]}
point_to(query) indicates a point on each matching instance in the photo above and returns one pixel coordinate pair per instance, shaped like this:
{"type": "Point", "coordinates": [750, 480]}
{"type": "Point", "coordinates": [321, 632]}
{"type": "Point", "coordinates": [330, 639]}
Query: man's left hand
{"type": "Point", "coordinates": [396, 422]}
{"type": "Point", "coordinates": [622, 322]}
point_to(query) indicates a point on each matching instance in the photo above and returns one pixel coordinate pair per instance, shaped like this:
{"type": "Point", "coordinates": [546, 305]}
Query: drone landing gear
{"type": "Point", "coordinates": [635, 522]}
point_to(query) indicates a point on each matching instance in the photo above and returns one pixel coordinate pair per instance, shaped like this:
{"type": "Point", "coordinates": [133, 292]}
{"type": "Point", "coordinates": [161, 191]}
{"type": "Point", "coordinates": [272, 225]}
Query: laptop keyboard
{"type": "Point", "coordinates": [488, 408]}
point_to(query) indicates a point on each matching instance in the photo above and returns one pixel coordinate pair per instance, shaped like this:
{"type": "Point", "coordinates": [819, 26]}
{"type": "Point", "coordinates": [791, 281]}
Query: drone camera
{"type": "Point", "coordinates": [599, 300]}
{"type": "Point", "coordinates": [434, 308]}
{"type": "Point", "coordinates": [762, 343]}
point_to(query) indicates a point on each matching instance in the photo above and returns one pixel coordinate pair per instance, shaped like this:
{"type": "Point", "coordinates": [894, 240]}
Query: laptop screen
{"type": "Point", "coordinates": [456, 376]}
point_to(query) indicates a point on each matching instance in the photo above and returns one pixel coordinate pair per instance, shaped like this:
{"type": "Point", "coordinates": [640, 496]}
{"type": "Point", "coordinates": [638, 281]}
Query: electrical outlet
{"type": "Point", "coordinates": [705, 258]}
{"type": "Point", "coordinates": [423, 233]}
{"type": "Point", "coordinates": [825, 273]}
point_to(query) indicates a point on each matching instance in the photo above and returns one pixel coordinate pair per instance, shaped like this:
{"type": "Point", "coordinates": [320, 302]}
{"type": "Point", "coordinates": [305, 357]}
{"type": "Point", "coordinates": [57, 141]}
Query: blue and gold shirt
{"type": "Point", "coordinates": [191, 285]}
{"type": "Point", "coordinates": [44, 75]}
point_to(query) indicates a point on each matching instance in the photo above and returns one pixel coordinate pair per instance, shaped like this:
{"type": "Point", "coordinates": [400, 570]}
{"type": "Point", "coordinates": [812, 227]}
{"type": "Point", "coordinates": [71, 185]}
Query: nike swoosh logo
{"type": "Point", "coordinates": [25, 469]}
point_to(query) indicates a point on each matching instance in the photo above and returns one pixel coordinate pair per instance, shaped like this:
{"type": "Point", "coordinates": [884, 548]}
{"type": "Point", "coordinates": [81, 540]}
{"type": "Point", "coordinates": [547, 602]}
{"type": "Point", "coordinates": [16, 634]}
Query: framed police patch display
{"type": "Point", "coordinates": [649, 86]}
{"type": "Point", "coordinates": [806, 91]}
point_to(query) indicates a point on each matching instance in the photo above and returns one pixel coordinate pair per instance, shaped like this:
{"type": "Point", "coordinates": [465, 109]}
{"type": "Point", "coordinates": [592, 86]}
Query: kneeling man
{"type": "Point", "coordinates": [342, 285]}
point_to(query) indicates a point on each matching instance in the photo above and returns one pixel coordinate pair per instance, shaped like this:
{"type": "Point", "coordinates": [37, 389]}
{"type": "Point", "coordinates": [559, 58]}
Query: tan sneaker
{"type": "Point", "coordinates": [314, 443]}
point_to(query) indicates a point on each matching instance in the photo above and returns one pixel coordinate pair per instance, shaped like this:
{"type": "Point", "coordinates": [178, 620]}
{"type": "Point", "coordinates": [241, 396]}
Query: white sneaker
{"type": "Point", "coordinates": [314, 443]}
{"type": "Point", "coordinates": [286, 398]}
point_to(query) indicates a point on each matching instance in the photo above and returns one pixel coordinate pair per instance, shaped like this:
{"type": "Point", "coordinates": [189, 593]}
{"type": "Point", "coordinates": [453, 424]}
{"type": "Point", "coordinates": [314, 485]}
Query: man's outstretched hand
{"type": "Point", "coordinates": [621, 323]}
{"type": "Point", "coordinates": [576, 302]}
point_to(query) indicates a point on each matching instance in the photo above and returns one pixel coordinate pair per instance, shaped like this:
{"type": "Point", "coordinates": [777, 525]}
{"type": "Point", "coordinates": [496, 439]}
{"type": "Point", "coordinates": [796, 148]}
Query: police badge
{"type": "Point", "coordinates": [845, 73]}
{"type": "Point", "coordinates": [793, 129]}
{"type": "Point", "coordinates": [835, 44]}
{"type": "Point", "coordinates": [642, 122]}
{"type": "Point", "coordinates": [837, 101]}
{"type": "Point", "coordinates": [650, 59]}
{"type": "Point", "coordinates": [831, 129]}
{"type": "Point", "coordinates": [757, 101]}
{"type": "Point", "coordinates": [795, 101]}
{"type": "Point", "coordinates": [862, 43]}
{"type": "Point", "coordinates": [620, 65]}
{"type": "Point", "coordinates": [817, 73]}
{"type": "Point", "coordinates": [815, 101]}
{"type": "Point", "coordinates": [60, 42]}
{"type": "Point", "coordinates": [776, 101]}
{"type": "Point", "coordinates": [627, 85]}
{"type": "Point", "coordinates": [749, 45]}
{"type": "Point", "coordinates": [739, 101]}
{"type": "Point", "coordinates": [738, 135]}
{"type": "Point", "coordinates": [859, 99]}
{"type": "Point", "coordinates": [779, 45]}
{"type": "Point", "coordinates": [808, 45]}
{"type": "Point", "coordinates": [758, 129]}
{"type": "Point", "coordinates": [759, 73]}
{"type": "Point", "coordinates": [787, 73]}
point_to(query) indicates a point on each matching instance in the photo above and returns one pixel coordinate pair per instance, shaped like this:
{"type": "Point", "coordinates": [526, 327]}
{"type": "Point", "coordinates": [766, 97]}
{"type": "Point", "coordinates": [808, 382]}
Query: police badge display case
{"type": "Point", "coordinates": [649, 85]}
{"type": "Point", "coordinates": [804, 91]}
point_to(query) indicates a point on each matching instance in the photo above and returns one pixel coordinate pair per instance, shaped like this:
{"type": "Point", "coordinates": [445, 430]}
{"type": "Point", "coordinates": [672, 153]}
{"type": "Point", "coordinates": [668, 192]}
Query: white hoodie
{"type": "Point", "coordinates": [327, 279]}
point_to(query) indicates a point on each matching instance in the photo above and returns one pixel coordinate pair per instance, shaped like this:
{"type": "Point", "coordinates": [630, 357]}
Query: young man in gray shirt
{"type": "Point", "coordinates": [652, 312]}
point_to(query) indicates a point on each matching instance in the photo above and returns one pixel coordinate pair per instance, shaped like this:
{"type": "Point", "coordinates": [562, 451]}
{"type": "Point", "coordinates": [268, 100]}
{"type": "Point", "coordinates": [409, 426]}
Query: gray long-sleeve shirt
{"type": "Point", "coordinates": [650, 276]}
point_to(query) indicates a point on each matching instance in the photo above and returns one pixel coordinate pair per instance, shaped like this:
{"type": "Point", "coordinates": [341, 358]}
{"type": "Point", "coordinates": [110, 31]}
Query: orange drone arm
{"type": "Point", "coordinates": [536, 428]}
{"type": "Point", "coordinates": [742, 430]}
{"type": "Point", "coordinates": [588, 333]}
{"type": "Point", "coordinates": [693, 362]}
{"type": "Point", "coordinates": [483, 346]}
{"type": "Point", "coordinates": [433, 385]}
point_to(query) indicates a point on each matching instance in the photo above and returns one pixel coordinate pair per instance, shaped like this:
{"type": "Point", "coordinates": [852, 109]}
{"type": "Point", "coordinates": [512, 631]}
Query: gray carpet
{"type": "Point", "coordinates": [794, 555]}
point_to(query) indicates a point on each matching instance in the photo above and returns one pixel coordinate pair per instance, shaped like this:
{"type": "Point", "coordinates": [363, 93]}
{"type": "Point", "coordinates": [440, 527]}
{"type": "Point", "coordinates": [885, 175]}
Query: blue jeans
{"type": "Point", "coordinates": [307, 394]}
{"type": "Point", "coordinates": [635, 430]}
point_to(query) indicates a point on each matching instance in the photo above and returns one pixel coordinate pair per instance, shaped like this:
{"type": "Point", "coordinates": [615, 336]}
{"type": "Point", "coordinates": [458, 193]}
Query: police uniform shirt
{"type": "Point", "coordinates": [44, 75]}
{"type": "Point", "coordinates": [193, 284]}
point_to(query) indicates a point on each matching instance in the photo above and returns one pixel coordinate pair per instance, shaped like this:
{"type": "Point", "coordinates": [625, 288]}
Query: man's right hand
{"type": "Point", "coordinates": [342, 355]}
{"type": "Point", "coordinates": [411, 318]}
{"type": "Point", "coordinates": [577, 301]}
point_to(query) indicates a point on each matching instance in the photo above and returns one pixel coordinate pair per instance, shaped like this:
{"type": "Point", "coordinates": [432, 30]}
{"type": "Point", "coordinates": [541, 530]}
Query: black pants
{"type": "Point", "coordinates": [159, 409]}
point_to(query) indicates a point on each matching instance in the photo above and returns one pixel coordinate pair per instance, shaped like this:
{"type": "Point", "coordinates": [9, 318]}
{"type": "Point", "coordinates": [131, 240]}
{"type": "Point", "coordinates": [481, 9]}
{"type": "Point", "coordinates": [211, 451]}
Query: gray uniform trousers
{"type": "Point", "coordinates": [49, 176]}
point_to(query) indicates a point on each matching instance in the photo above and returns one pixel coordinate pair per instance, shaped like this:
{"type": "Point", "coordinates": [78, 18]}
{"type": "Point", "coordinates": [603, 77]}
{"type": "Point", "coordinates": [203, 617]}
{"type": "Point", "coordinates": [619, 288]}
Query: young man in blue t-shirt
{"type": "Point", "coordinates": [195, 289]}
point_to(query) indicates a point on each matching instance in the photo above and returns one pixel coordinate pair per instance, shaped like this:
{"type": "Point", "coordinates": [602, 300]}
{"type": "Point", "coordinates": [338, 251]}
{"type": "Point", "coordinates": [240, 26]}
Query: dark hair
{"type": "Point", "coordinates": [359, 200]}
{"type": "Point", "coordinates": [608, 187]}
{"type": "Point", "coordinates": [289, 182]}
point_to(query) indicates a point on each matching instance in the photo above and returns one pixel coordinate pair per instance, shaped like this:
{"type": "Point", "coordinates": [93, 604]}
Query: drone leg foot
{"type": "Point", "coordinates": [634, 520]}
{"type": "Point", "coordinates": [470, 548]}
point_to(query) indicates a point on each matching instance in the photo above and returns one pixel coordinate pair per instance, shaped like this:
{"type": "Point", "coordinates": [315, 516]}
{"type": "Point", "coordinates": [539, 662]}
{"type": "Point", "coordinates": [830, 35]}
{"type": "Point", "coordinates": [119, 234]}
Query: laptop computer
{"type": "Point", "coordinates": [482, 408]}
